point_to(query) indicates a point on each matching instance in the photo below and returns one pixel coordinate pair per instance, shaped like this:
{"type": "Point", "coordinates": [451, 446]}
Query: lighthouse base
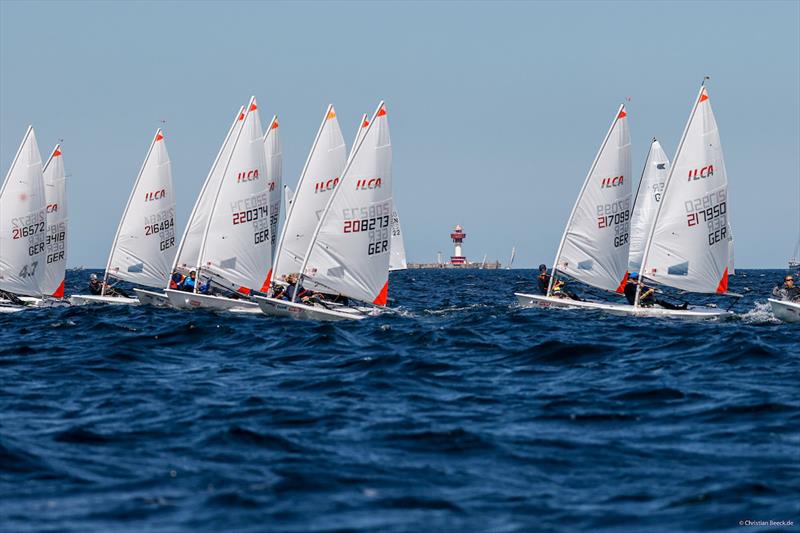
{"type": "Point", "coordinates": [458, 260]}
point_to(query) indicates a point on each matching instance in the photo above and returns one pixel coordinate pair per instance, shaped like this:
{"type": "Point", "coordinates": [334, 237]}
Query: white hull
{"type": "Point", "coordinates": [693, 313]}
{"type": "Point", "coordinates": [8, 307]}
{"type": "Point", "coordinates": [190, 300]}
{"type": "Point", "coordinates": [786, 311]}
{"type": "Point", "coordinates": [84, 299]}
{"type": "Point", "coordinates": [31, 302]}
{"type": "Point", "coordinates": [157, 299]}
{"type": "Point", "coordinates": [301, 311]}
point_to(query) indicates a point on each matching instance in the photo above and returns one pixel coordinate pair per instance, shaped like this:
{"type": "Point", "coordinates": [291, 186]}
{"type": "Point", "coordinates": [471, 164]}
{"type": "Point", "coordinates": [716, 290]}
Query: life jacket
{"type": "Point", "coordinates": [176, 284]}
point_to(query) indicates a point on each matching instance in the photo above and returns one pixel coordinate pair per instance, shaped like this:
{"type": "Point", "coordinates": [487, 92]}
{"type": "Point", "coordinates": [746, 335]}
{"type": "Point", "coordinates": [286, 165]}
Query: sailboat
{"type": "Point", "coordinates": [55, 192]}
{"type": "Point", "coordinates": [318, 179]}
{"type": "Point", "coordinates": [594, 247]}
{"type": "Point", "coordinates": [513, 255]}
{"type": "Point", "coordinates": [645, 203]}
{"type": "Point", "coordinates": [273, 163]}
{"type": "Point", "coordinates": [397, 247]}
{"type": "Point", "coordinates": [397, 259]}
{"type": "Point", "coordinates": [348, 254]}
{"type": "Point", "coordinates": [235, 248]}
{"type": "Point", "coordinates": [143, 252]}
{"type": "Point", "coordinates": [23, 222]}
{"type": "Point", "coordinates": [189, 246]}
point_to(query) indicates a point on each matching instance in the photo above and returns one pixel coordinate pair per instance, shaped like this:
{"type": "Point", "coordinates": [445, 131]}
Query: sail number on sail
{"type": "Point", "coordinates": [55, 240]}
{"type": "Point", "coordinates": [163, 225]}
{"type": "Point", "coordinates": [376, 220]}
{"type": "Point", "coordinates": [617, 214]}
{"type": "Point", "coordinates": [256, 211]}
{"type": "Point", "coordinates": [712, 209]}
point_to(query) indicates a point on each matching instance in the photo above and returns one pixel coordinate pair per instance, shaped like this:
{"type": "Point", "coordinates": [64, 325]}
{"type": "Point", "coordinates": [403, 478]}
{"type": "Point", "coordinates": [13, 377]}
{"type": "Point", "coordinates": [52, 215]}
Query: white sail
{"type": "Point", "coordinates": [189, 248]}
{"type": "Point", "coordinates": [397, 247]}
{"type": "Point", "coordinates": [23, 221]}
{"type": "Point", "coordinates": [55, 191]}
{"type": "Point", "coordinates": [731, 267]}
{"type": "Point", "coordinates": [349, 252]}
{"type": "Point", "coordinates": [513, 255]}
{"type": "Point", "coordinates": [645, 205]}
{"type": "Point", "coordinates": [594, 247]}
{"type": "Point", "coordinates": [360, 131]}
{"type": "Point", "coordinates": [273, 161]}
{"type": "Point", "coordinates": [689, 244]}
{"type": "Point", "coordinates": [318, 180]}
{"type": "Point", "coordinates": [397, 259]}
{"type": "Point", "coordinates": [144, 246]}
{"type": "Point", "coordinates": [288, 198]}
{"type": "Point", "coordinates": [236, 244]}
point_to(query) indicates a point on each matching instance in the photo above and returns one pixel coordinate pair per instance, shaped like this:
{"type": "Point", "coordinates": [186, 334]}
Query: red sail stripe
{"type": "Point", "coordinates": [383, 295]}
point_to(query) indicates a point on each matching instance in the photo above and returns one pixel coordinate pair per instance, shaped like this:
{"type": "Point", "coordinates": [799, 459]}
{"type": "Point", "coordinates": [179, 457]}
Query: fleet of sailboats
{"type": "Point", "coordinates": [342, 235]}
{"type": "Point", "coordinates": [688, 243]}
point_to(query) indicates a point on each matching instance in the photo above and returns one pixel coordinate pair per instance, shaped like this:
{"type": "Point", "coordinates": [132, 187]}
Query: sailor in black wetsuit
{"type": "Point", "coordinates": [788, 292]}
{"type": "Point", "coordinates": [543, 280]}
{"type": "Point", "coordinates": [647, 296]}
{"type": "Point", "coordinates": [95, 286]}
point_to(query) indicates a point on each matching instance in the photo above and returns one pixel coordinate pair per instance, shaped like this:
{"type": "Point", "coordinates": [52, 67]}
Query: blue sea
{"type": "Point", "coordinates": [460, 412]}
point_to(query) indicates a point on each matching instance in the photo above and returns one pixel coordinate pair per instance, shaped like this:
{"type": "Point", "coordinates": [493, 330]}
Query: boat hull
{"type": "Point", "coordinates": [301, 311]}
{"type": "Point", "coordinates": [693, 313]}
{"type": "Point", "coordinates": [85, 299]}
{"type": "Point", "coordinates": [156, 299]}
{"type": "Point", "coordinates": [190, 300]}
{"type": "Point", "coordinates": [786, 311]}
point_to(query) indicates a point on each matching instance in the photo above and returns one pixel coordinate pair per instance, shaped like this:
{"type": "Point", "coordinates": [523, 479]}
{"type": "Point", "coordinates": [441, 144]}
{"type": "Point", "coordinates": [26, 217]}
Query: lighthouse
{"type": "Point", "coordinates": [458, 237]}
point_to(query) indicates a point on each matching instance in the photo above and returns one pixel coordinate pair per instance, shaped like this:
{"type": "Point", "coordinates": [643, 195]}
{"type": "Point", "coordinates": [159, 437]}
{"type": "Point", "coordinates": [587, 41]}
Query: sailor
{"type": "Point", "coordinates": [302, 294]}
{"type": "Point", "coordinates": [543, 279]}
{"type": "Point", "coordinates": [647, 297]}
{"type": "Point", "coordinates": [188, 283]}
{"type": "Point", "coordinates": [11, 298]}
{"type": "Point", "coordinates": [788, 291]}
{"type": "Point", "coordinates": [95, 286]}
{"type": "Point", "coordinates": [176, 281]}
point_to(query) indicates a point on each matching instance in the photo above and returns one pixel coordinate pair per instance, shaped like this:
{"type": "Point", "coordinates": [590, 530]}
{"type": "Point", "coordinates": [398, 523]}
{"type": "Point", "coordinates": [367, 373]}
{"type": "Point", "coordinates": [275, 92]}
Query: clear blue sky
{"type": "Point", "coordinates": [496, 109]}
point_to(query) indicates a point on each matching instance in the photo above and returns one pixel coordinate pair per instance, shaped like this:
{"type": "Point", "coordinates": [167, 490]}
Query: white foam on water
{"type": "Point", "coordinates": [761, 313]}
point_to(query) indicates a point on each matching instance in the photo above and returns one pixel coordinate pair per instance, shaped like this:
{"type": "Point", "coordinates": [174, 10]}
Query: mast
{"type": "Point", "coordinates": [578, 199]}
{"type": "Point", "coordinates": [202, 192]}
{"type": "Point", "coordinates": [299, 188]}
{"type": "Point", "coordinates": [330, 201]}
{"type": "Point", "coordinates": [127, 207]}
{"type": "Point", "coordinates": [672, 166]}
{"type": "Point", "coordinates": [216, 196]}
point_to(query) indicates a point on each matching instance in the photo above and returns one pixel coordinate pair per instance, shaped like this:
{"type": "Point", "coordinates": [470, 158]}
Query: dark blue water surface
{"type": "Point", "coordinates": [462, 412]}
